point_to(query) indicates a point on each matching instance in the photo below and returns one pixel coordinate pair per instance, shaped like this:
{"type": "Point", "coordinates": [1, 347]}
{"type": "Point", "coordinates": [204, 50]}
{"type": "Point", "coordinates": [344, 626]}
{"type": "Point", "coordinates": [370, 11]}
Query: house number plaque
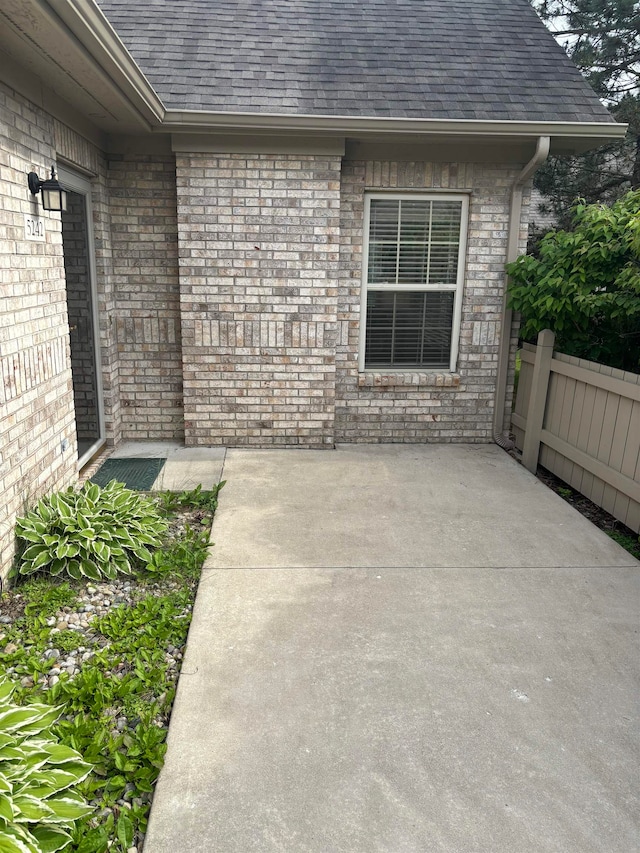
{"type": "Point", "coordinates": [33, 227]}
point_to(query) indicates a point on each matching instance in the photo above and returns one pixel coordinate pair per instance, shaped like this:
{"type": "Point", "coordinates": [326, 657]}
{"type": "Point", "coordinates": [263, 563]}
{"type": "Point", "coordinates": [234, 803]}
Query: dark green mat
{"type": "Point", "coordinates": [139, 474]}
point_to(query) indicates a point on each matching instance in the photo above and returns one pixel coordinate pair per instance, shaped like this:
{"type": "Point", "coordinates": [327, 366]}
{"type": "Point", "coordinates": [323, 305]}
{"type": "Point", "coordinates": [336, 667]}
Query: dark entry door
{"type": "Point", "coordinates": [79, 266]}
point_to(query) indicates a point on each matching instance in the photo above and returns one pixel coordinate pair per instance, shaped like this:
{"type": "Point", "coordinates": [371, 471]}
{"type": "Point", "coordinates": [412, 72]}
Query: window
{"type": "Point", "coordinates": [413, 274]}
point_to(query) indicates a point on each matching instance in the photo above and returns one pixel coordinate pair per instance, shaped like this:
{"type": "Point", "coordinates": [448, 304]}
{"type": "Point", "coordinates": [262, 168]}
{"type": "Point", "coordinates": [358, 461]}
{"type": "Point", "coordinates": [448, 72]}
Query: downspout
{"type": "Point", "coordinates": [515, 213]}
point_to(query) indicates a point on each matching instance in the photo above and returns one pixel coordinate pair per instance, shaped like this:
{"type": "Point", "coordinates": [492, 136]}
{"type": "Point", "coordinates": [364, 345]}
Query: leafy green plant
{"type": "Point", "coordinates": [38, 803]}
{"type": "Point", "coordinates": [116, 705]}
{"type": "Point", "coordinates": [44, 599]}
{"type": "Point", "coordinates": [93, 533]}
{"type": "Point", "coordinates": [183, 557]}
{"type": "Point", "coordinates": [69, 641]}
{"type": "Point", "coordinates": [152, 621]}
{"type": "Point", "coordinates": [585, 285]}
{"type": "Point", "coordinates": [198, 498]}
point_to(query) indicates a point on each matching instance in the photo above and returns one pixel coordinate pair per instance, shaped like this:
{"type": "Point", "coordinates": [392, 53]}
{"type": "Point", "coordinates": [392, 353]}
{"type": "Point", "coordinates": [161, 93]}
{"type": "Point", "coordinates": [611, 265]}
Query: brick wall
{"type": "Point", "coordinates": [417, 407]}
{"type": "Point", "coordinates": [36, 399]}
{"type": "Point", "coordinates": [144, 271]}
{"type": "Point", "coordinates": [270, 268]}
{"type": "Point", "coordinates": [258, 242]}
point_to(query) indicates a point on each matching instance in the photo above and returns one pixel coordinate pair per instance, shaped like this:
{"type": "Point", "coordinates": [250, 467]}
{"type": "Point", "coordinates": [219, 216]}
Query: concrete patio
{"type": "Point", "coordinates": [399, 649]}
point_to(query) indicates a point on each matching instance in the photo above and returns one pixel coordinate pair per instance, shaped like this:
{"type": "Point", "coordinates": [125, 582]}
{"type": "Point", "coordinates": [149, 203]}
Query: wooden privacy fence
{"type": "Point", "coordinates": [581, 421]}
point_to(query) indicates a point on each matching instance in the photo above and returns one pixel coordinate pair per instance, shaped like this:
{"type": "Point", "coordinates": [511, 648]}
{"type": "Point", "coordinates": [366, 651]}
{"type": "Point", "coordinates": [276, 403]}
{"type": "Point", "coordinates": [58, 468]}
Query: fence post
{"type": "Point", "coordinates": [538, 399]}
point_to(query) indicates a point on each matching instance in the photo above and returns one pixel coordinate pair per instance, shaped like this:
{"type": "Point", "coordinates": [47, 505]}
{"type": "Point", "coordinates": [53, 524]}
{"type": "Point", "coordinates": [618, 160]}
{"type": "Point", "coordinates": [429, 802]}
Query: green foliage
{"type": "Point", "coordinates": [564, 492]}
{"type": "Point", "coordinates": [93, 533]}
{"type": "Point", "coordinates": [585, 285]}
{"type": "Point", "coordinates": [45, 599]}
{"type": "Point", "coordinates": [127, 676]}
{"type": "Point", "coordinates": [38, 801]}
{"type": "Point", "coordinates": [602, 37]}
{"type": "Point", "coordinates": [197, 498]}
{"type": "Point", "coordinates": [115, 709]}
{"type": "Point", "coordinates": [629, 543]}
{"type": "Point", "coordinates": [182, 558]}
{"type": "Point", "coordinates": [68, 641]}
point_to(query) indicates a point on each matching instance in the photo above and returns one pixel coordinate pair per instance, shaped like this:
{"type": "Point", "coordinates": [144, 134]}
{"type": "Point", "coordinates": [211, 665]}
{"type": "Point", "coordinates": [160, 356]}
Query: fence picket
{"type": "Point", "coordinates": [538, 398]}
{"type": "Point", "coordinates": [581, 420]}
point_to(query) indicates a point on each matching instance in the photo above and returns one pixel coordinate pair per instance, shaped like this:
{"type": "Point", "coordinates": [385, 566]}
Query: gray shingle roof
{"type": "Point", "coordinates": [448, 59]}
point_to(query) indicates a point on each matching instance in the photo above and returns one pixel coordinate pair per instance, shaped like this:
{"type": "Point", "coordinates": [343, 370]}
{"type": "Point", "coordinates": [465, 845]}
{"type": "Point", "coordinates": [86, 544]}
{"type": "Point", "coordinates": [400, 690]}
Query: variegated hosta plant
{"type": "Point", "coordinates": [93, 533]}
{"type": "Point", "coordinates": [38, 806]}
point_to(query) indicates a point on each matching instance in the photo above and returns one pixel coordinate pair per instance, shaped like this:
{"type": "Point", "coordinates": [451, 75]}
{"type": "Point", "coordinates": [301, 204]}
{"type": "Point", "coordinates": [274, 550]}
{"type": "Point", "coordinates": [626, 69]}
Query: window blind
{"type": "Point", "coordinates": [412, 278]}
{"type": "Point", "coordinates": [409, 329]}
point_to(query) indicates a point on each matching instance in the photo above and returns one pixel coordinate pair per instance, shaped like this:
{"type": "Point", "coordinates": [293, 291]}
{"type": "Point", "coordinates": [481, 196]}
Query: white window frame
{"type": "Point", "coordinates": [456, 288]}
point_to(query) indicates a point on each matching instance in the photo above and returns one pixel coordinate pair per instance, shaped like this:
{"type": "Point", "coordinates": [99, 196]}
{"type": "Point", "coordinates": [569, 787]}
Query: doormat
{"type": "Point", "coordinates": [138, 474]}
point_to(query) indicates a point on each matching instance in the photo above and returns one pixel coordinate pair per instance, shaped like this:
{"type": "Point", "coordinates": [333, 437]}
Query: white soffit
{"type": "Point", "coordinates": [35, 38]}
{"type": "Point", "coordinates": [256, 143]}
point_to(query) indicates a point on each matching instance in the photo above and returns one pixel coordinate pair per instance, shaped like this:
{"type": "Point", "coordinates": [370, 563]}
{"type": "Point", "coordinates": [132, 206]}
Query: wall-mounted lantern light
{"type": "Point", "coordinates": [54, 196]}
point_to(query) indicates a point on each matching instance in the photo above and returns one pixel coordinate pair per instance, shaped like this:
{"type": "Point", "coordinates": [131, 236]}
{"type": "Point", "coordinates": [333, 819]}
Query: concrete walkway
{"type": "Point", "coordinates": [401, 649]}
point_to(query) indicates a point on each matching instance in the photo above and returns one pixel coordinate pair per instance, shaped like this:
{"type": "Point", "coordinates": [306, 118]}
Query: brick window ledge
{"type": "Point", "coordinates": [373, 379]}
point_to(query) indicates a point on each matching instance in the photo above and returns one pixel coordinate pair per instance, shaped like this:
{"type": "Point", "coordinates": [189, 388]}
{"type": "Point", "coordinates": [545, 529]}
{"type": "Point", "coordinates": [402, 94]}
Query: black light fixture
{"type": "Point", "coordinates": [54, 196]}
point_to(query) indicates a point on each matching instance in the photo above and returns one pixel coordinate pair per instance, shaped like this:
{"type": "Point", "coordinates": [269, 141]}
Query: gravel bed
{"type": "Point", "coordinates": [94, 600]}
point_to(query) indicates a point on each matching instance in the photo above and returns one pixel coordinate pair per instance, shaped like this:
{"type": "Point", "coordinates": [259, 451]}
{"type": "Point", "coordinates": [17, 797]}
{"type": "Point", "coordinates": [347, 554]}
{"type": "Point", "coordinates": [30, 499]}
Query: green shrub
{"type": "Point", "coordinates": [585, 285]}
{"type": "Point", "coordinates": [93, 533]}
{"type": "Point", "coordinates": [38, 805]}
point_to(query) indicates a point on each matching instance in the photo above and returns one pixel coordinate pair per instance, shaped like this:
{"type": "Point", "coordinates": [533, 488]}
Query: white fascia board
{"type": "Point", "coordinates": [85, 20]}
{"type": "Point", "coordinates": [188, 120]}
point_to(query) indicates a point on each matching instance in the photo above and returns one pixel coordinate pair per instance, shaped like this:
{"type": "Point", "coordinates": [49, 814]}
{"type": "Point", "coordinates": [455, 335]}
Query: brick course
{"type": "Point", "coordinates": [258, 242]}
{"type": "Point", "coordinates": [144, 274]}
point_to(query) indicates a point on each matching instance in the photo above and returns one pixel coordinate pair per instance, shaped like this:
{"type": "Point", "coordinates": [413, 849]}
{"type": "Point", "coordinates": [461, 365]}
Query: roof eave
{"type": "Point", "coordinates": [92, 32]}
{"type": "Point", "coordinates": [192, 121]}
{"type": "Point", "coordinates": [95, 34]}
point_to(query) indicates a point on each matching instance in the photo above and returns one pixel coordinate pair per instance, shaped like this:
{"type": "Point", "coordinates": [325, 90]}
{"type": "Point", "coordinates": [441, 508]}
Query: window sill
{"type": "Point", "coordinates": [375, 379]}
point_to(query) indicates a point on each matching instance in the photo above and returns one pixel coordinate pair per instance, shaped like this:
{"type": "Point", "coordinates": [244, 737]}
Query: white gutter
{"type": "Point", "coordinates": [190, 120]}
{"type": "Point", "coordinates": [515, 214]}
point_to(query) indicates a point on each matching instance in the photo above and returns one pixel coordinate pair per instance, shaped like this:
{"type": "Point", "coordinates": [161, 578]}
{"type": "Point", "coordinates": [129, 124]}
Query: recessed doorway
{"type": "Point", "coordinates": [79, 267]}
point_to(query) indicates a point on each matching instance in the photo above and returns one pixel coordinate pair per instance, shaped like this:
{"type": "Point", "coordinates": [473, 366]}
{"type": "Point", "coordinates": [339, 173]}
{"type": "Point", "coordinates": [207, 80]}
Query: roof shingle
{"type": "Point", "coordinates": [439, 59]}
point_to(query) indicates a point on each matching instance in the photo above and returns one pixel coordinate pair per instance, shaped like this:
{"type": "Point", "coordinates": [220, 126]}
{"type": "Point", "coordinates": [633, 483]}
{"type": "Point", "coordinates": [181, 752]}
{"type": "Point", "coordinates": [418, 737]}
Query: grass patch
{"type": "Point", "coordinates": [629, 542]}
